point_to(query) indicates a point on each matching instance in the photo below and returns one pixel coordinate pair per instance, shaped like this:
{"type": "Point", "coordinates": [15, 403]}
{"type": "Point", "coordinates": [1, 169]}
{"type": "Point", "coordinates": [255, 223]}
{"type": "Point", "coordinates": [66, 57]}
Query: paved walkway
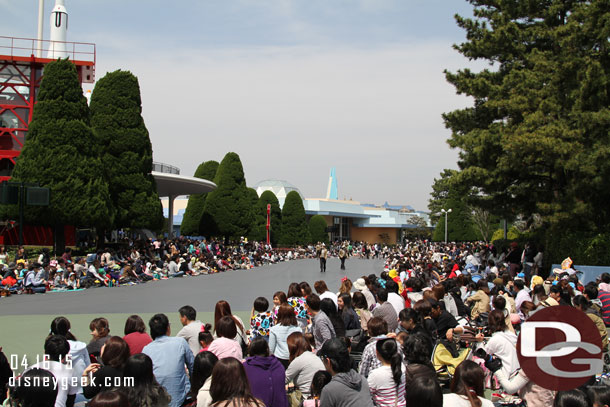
{"type": "Point", "coordinates": [25, 319]}
{"type": "Point", "coordinates": [239, 288]}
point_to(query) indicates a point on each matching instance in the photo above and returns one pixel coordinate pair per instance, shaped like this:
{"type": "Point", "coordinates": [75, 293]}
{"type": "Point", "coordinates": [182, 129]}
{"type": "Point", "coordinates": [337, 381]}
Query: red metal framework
{"type": "Point", "coordinates": [20, 77]}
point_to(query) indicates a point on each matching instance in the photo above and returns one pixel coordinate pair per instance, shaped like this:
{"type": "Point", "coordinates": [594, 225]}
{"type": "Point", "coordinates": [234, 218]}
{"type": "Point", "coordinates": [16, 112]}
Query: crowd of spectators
{"type": "Point", "coordinates": [373, 343]}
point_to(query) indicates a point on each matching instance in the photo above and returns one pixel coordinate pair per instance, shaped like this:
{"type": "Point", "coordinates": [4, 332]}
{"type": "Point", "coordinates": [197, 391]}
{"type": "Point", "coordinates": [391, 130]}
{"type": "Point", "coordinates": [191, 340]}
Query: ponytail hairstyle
{"type": "Point", "coordinates": [468, 380]}
{"type": "Point", "coordinates": [61, 326]}
{"type": "Point", "coordinates": [388, 351]}
{"type": "Point", "coordinates": [581, 302]}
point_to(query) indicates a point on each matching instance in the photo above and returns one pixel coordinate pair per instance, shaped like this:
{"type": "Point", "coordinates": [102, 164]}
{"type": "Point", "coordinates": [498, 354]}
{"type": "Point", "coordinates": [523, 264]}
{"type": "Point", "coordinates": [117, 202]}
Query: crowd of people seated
{"type": "Point", "coordinates": [151, 260]}
{"type": "Point", "coordinates": [376, 342]}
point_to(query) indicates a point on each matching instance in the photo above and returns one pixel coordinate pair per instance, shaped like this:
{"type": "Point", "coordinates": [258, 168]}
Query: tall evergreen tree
{"type": "Point", "coordinates": [294, 223]}
{"type": "Point", "coordinates": [194, 207]}
{"type": "Point", "coordinates": [126, 151]}
{"type": "Point", "coordinates": [459, 223]}
{"type": "Point", "coordinates": [446, 194]}
{"type": "Point", "coordinates": [254, 206]}
{"type": "Point", "coordinates": [227, 211]}
{"type": "Point", "coordinates": [61, 153]}
{"type": "Point", "coordinates": [275, 230]}
{"type": "Point", "coordinates": [259, 229]}
{"type": "Point", "coordinates": [537, 138]}
{"type": "Point", "coordinates": [317, 229]}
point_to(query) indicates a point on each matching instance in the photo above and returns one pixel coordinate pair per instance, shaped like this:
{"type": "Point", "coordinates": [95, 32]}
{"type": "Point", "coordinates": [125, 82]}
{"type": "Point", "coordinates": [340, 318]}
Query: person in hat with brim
{"type": "Point", "coordinates": [10, 278]}
{"type": "Point", "coordinates": [361, 286]}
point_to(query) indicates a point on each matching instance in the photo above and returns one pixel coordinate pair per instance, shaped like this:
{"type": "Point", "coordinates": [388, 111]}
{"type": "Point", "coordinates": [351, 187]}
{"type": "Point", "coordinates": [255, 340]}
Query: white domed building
{"type": "Point", "coordinates": [279, 187]}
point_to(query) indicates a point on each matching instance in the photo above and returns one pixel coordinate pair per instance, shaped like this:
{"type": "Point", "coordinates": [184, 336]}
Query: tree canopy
{"type": "Point", "coordinates": [294, 223]}
{"type": "Point", "coordinates": [125, 150]}
{"type": "Point", "coordinates": [61, 153]}
{"type": "Point", "coordinates": [448, 194]}
{"type": "Point", "coordinates": [227, 209]}
{"type": "Point", "coordinates": [317, 229]}
{"type": "Point", "coordinates": [537, 138]}
{"type": "Point", "coordinates": [259, 228]}
{"type": "Point", "coordinates": [194, 208]}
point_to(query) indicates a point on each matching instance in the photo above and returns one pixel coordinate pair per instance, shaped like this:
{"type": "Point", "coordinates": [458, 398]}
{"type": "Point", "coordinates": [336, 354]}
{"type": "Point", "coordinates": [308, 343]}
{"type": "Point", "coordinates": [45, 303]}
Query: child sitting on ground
{"type": "Point", "coordinates": [261, 319]}
{"type": "Point", "coordinates": [205, 337]}
{"type": "Point", "coordinates": [320, 379]}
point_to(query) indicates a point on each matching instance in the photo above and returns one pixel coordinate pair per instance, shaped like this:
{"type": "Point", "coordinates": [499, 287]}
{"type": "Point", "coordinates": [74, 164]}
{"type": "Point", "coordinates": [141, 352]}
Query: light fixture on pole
{"type": "Point", "coordinates": [446, 212]}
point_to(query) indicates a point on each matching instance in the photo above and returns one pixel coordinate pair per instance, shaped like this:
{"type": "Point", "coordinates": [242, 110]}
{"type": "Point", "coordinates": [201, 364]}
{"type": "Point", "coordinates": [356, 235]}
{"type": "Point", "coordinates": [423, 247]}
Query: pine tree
{"type": "Point", "coordinates": [61, 153]}
{"type": "Point", "coordinates": [194, 208]}
{"type": "Point", "coordinates": [126, 150]}
{"type": "Point", "coordinates": [227, 211]}
{"type": "Point", "coordinates": [317, 229]}
{"type": "Point", "coordinates": [459, 223]}
{"type": "Point", "coordinates": [537, 138]}
{"type": "Point", "coordinates": [446, 194]}
{"type": "Point", "coordinates": [294, 223]}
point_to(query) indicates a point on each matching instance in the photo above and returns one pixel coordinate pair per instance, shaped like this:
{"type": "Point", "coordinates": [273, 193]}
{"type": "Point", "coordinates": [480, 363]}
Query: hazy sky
{"type": "Point", "coordinates": [294, 87]}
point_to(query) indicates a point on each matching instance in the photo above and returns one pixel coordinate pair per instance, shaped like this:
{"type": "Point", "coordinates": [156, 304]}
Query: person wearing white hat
{"type": "Point", "coordinates": [361, 286]}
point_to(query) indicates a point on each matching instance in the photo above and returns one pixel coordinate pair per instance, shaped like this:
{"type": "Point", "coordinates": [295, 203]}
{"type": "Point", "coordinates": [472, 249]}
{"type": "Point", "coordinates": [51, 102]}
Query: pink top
{"type": "Point", "coordinates": [225, 348]}
{"type": "Point", "coordinates": [137, 341]}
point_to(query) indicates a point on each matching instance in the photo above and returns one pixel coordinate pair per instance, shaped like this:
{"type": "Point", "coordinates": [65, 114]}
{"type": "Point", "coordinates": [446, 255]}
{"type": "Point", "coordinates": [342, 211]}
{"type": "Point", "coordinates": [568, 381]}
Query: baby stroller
{"type": "Point", "coordinates": [445, 362]}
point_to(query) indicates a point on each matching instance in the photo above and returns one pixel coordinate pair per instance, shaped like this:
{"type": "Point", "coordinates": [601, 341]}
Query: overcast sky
{"type": "Point", "coordinates": [294, 87]}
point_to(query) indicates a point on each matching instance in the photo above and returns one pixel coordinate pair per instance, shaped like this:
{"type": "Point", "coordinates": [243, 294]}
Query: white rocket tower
{"type": "Point", "coordinates": [59, 31]}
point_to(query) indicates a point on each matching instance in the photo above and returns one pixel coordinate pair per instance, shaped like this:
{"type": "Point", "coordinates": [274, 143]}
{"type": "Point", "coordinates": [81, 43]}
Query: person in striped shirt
{"type": "Point", "coordinates": [387, 383]}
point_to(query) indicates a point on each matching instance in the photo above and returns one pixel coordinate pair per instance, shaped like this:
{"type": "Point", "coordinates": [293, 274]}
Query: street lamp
{"type": "Point", "coordinates": [446, 212]}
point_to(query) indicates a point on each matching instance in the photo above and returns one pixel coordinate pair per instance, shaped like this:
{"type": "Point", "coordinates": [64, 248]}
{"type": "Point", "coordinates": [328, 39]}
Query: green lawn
{"type": "Point", "coordinates": [25, 335]}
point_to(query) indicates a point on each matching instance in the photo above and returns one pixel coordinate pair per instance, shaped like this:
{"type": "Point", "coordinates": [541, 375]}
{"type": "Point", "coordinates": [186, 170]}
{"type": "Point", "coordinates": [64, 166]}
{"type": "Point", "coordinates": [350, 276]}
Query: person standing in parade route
{"type": "Point", "coordinates": [342, 256]}
{"type": "Point", "coordinates": [323, 257]}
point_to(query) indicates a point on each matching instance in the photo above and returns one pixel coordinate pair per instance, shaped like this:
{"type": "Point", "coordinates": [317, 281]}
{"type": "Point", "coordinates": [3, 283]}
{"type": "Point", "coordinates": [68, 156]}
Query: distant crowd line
{"type": "Point", "coordinates": [150, 260]}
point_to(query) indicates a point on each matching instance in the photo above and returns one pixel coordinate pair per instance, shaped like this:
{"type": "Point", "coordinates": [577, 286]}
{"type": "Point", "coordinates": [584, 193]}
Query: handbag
{"type": "Point", "coordinates": [295, 397]}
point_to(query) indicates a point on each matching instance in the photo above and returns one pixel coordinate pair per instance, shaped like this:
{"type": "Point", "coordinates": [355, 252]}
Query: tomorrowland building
{"type": "Point", "coordinates": [346, 220]}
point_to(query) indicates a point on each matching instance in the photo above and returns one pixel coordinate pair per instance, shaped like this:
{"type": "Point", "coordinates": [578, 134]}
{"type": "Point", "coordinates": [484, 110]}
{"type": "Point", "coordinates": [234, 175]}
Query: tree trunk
{"type": "Point", "coordinates": [60, 240]}
{"type": "Point", "coordinates": [101, 238]}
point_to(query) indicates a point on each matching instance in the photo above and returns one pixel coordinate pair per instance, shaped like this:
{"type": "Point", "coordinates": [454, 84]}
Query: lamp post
{"type": "Point", "coordinates": [446, 212]}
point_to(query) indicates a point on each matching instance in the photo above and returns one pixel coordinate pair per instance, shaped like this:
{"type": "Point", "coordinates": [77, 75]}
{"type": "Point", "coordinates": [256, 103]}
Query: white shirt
{"type": "Point", "coordinates": [80, 359]}
{"type": "Point", "coordinates": [504, 346]}
{"type": "Point", "coordinates": [397, 302]}
{"type": "Point", "coordinates": [332, 296]}
{"type": "Point", "coordinates": [64, 375]}
{"type": "Point", "coordinates": [521, 296]}
{"type": "Point", "coordinates": [456, 400]}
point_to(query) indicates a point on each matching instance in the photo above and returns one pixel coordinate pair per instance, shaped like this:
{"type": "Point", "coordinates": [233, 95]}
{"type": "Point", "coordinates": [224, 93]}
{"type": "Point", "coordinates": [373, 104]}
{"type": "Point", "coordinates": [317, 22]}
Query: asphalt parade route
{"type": "Point", "coordinates": [238, 287]}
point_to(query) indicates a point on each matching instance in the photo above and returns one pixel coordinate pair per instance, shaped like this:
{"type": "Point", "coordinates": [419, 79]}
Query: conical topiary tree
{"type": "Point", "coordinates": [268, 197]}
{"type": "Point", "coordinates": [294, 223]}
{"type": "Point", "coordinates": [317, 229]}
{"type": "Point", "coordinates": [126, 150]}
{"type": "Point", "coordinates": [194, 207]}
{"type": "Point", "coordinates": [62, 153]}
{"type": "Point", "coordinates": [259, 229]}
{"type": "Point", "coordinates": [227, 211]}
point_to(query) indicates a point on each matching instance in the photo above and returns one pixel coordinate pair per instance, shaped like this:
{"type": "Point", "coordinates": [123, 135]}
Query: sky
{"type": "Point", "coordinates": [295, 87]}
